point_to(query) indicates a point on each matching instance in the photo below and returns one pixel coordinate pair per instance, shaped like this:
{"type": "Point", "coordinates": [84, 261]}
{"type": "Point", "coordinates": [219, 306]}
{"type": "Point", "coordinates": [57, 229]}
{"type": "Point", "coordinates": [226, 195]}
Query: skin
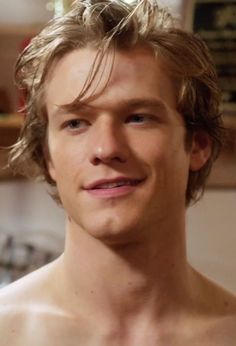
{"type": "Point", "coordinates": [123, 278]}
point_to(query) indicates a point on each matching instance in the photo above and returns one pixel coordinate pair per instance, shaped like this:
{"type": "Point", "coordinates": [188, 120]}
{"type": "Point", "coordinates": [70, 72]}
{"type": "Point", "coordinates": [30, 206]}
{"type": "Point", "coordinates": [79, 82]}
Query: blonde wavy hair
{"type": "Point", "coordinates": [116, 24]}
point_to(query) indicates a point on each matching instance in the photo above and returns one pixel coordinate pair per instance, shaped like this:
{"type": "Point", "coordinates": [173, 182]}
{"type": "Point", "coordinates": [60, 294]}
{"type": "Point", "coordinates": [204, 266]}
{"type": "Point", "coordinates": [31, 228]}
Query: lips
{"type": "Point", "coordinates": [113, 183]}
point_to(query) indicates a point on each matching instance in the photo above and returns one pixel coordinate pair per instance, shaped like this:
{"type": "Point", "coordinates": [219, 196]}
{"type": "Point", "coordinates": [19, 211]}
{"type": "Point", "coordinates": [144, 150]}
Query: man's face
{"type": "Point", "coordinates": [119, 158]}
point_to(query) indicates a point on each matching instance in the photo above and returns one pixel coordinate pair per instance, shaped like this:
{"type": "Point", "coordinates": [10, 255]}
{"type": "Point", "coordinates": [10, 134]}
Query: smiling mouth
{"type": "Point", "coordinates": [117, 184]}
{"type": "Point", "coordinates": [113, 188]}
{"type": "Point", "coordinates": [109, 184]}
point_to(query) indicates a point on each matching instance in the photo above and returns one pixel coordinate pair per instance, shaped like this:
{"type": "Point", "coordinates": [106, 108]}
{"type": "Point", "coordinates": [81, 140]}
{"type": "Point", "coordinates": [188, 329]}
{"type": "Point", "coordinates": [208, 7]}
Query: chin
{"type": "Point", "coordinates": [112, 230]}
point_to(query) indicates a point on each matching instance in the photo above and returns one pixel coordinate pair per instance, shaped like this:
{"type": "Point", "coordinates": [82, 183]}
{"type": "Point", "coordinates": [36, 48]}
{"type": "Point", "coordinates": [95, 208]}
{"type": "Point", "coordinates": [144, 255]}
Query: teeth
{"type": "Point", "coordinates": [117, 184]}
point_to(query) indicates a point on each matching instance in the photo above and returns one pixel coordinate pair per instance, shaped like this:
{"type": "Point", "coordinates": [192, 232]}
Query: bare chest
{"type": "Point", "coordinates": [49, 331]}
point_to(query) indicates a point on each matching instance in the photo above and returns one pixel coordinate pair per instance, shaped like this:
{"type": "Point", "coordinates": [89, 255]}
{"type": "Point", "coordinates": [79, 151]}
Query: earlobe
{"type": "Point", "coordinates": [200, 150]}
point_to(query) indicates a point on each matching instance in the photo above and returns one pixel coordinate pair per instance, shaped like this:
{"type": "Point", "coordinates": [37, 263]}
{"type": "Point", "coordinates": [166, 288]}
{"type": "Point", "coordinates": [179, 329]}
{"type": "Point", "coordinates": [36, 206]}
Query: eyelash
{"type": "Point", "coordinates": [143, 116]}
{"type": "Point", "coordinates": [78, 124]}
{"type": "Point", "coordinates": [73, 123]}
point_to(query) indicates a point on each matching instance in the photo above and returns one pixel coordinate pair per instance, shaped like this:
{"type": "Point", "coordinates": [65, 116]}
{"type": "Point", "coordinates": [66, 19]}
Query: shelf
{"type": "Point", "coordinates": [9, 129]}
{"type": "Point", "coordinates": [9, 132]}
{"type": "Point", "coordinates": [230, 122]}
{"type": "Point", "coordinates": [16, 121]}
{"type": "Point", "coordinates": [11, 121]}
{"type": "Point", "coordinates": [223, 174]}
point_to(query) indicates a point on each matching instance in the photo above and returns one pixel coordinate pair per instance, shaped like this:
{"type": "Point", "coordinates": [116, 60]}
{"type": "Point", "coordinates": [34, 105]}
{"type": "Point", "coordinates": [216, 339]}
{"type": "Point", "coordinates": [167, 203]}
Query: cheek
{"type": "Point", "coordinates": [65, 159]}
{"type": "Point", "coordinates": [157, 150]}
{"type": "Point", "coordinates": [171, 162]}
{"type": "Point", "coordinates": [179, 168]}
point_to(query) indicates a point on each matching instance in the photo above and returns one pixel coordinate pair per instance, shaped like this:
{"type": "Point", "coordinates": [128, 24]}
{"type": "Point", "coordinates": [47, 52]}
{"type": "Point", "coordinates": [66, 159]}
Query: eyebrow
{"type": "Point", "coordinates": [145, 102]}
{"type": "Point", "coordinates": [131, 104]}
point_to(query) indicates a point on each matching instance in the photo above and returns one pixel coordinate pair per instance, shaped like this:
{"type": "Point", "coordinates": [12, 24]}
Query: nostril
{"type": "Point", "coordinates": [97, 160]}
{"type": "Point", "coordinates": [109, 153]}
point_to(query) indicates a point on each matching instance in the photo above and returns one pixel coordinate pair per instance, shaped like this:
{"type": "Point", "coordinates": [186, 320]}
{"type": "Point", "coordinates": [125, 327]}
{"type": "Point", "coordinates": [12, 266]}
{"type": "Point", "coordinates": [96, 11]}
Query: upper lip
{"type": "Point", "coordinates": [97, 183]}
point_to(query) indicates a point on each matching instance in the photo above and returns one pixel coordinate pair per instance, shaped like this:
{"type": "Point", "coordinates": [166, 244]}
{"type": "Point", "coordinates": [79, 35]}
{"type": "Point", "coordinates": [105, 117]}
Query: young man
{"type": "Point", "coordinates": [123, 119]}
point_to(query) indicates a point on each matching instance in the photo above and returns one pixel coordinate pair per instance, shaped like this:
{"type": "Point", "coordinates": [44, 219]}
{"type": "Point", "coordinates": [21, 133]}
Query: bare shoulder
{"type": "Point", "coordinates": [21, 303]}
{"type": "Point", "coordinates": [224, 316]}
{"type": "Point", "coordinates": [30, 314]}
{"type": "Point", "coordinates": [217, 313]}
{"type": "Point", "coordinates": [216, 298]}
{"type": "Point", "coordinates": [24, 290]}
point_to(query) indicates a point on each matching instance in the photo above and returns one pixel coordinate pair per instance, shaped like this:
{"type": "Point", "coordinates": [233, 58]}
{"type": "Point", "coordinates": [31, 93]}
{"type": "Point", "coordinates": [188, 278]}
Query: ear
{"type": "Point", "coordinates": [51, 169]}
{"type": "Point", "coordinates": [49, 163]}
{"type": "Point", "coordinates": [200, 150]}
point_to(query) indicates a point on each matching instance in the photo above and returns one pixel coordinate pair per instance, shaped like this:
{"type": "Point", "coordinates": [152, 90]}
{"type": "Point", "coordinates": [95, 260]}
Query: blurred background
{"type": "Point", "coordinates": [32, 225]}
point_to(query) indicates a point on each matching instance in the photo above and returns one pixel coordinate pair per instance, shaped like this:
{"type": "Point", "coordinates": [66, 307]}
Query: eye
{"type": "Point", "coordinates": [76, 124]}
{"type": "Point", "coordinates": [139, 118]}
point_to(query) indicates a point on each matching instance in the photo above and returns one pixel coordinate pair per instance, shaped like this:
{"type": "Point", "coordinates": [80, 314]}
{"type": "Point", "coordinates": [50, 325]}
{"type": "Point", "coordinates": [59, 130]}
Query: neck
{"type": "Point", "coordinates": [115, 283]}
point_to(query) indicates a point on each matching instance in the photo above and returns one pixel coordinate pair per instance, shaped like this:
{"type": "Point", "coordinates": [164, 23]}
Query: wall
{"type": "Point", "coordinates": [29, 213]}
{"type": "Point", "coordinates": [212, 236]}
{"type": "Point", "coordinates": [24, 11]}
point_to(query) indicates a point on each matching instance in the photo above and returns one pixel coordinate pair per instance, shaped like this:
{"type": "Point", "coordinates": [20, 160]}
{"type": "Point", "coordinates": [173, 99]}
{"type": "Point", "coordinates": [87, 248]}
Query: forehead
{"type": "Point", "coordinates": [134, 73]}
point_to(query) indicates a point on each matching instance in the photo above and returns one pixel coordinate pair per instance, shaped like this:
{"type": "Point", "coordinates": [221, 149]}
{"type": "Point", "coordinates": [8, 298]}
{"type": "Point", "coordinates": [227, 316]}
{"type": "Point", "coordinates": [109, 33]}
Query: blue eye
{"type": "Point", "coordinates": [76, 124]}
{"type": "Point", "coordinates": [138, 118]}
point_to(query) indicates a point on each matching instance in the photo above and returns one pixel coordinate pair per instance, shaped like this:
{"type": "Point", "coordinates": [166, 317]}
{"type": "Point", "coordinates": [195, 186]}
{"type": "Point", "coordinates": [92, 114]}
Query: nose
{"type": "Point", "coordinates": [109, 143]}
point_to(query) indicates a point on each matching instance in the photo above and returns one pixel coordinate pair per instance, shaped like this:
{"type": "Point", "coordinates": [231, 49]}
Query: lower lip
{"type": "Point", "coordinates": [114, 192]}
